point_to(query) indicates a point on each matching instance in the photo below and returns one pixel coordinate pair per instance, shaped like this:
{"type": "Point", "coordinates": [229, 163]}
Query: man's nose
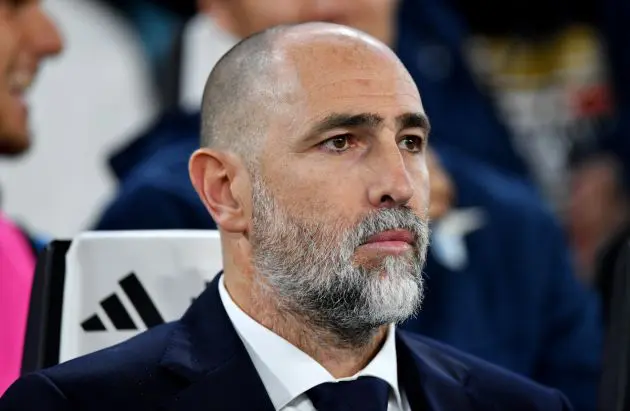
{"type": "Point", "coordinates": [391, 185]}
{"type": "Point", "coordinates": [41, 34]}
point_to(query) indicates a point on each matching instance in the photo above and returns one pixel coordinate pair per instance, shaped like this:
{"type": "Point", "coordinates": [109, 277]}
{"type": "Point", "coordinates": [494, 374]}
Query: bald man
{"type": "Point", "coordinates": [313, 165]}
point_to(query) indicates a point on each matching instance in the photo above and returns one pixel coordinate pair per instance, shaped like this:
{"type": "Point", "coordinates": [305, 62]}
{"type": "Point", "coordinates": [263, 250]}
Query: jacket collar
{"type": "Point", "coordinates": [206, 353]}
{"type": "Point", "coordinates": [432, 379]}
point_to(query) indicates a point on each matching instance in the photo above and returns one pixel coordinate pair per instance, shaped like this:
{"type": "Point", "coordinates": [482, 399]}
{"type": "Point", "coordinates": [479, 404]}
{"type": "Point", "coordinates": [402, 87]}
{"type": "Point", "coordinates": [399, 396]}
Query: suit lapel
{"type": "Point", "coordinates": [432, 380]}
{"type": "Point", "coordinates": [213, 370]}
{"type": "Point", "coordinates": [234, 387]}
{"type": "Point", "coordinates": [210, 362]}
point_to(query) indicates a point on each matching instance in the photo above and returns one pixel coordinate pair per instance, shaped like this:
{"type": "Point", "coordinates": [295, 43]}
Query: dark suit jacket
{"type": "Point", "coordinates": [199, 364]}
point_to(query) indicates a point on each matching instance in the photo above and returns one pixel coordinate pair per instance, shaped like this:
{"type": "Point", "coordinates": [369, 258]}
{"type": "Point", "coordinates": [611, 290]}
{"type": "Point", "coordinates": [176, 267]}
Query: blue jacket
{"type": "Point", "coordinates": [154, 191]}
{"type": "Point", "coordinates": [431, 43]}
{"type": "Point", "coordinates": [199, 363]}
{"type": "Point", "coordinates": [516, 303]}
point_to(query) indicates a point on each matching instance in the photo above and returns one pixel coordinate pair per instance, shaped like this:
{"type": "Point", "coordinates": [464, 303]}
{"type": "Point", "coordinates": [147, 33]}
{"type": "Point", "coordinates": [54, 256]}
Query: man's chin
{"type": "Point", "coordinates": [376, 261]}
{"type": "Point", "coordinates": [360, 331]}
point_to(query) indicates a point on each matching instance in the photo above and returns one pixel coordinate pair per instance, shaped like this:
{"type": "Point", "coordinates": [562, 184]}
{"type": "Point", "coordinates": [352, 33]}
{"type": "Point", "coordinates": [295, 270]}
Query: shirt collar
{"type": "Point", "coordinates": [271, 353]}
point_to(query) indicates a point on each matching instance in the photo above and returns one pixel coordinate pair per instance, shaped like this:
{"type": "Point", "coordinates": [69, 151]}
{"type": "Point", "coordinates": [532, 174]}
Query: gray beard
{"type": "Point", "coordinates": [308, 270]}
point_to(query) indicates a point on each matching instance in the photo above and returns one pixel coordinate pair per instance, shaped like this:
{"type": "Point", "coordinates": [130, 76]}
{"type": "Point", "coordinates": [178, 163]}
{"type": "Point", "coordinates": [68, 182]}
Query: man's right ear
{"type": "Point", "coordinates": [213, 175]}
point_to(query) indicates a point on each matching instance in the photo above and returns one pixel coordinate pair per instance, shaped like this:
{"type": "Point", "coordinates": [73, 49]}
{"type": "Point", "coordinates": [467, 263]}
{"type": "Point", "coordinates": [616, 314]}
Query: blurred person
{"type": "Point", "coordinates": [227, 21]}
{"type": "Point", "coordinates": [322, 202]}
{"type": "Point", "coordinates": [27, 37]}
{"type": "Point", "coordinates": [497, 253]}
{"type": "Point", "coordinates": [542, 91]}
{"type": "Point", "coordinates": [97, 114]}
{"type": "Point", "coordinates": [37, 39]}
{"type": "Point", "coordinates": [597, 210]}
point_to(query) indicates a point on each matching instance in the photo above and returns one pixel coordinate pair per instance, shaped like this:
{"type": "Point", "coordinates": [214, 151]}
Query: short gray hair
{"type": "Point", "coordinates": [240, 95]}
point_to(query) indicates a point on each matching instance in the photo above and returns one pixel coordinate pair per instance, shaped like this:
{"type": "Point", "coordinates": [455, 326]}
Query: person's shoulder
{"type": "Point", "coordinates": [154, 190]}
{"type": "Point", "coordinates": [159, 159]}
{"type": "Point", "coordinates": [488, 386]}
{"type": "Point", "coordinates": [124, 374]}
{"type": "Point", "coordinates": [165, 167]}
{"type": "Point", "coordinates": [155, 203]}
{"type": "Point", "coordinates": [163, 149]}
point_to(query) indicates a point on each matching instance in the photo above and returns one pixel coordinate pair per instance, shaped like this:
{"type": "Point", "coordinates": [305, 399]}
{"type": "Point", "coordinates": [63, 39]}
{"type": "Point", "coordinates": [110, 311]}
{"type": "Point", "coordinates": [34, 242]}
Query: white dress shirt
{"type": "Point", "coordinates": [287, 372]}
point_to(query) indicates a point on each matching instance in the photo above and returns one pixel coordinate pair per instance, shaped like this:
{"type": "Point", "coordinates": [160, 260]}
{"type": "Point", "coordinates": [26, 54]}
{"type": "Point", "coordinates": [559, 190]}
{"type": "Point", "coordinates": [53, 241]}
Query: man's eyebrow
{"type": "Point", "coordinates": [339, 120]}
{"type": "Point", "coordinates": [414, 120]}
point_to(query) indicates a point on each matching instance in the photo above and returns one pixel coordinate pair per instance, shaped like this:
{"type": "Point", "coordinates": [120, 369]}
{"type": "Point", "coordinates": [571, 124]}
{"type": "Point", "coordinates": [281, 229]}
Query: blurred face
{"type": "Point", "coordinates": [340, 205]}
{"type": "Point", "coordinates": [9, 100]}
{"type": "Point", "coordinates": [245, 17]}
{"type": "Point", "coordinates": [36, 38]}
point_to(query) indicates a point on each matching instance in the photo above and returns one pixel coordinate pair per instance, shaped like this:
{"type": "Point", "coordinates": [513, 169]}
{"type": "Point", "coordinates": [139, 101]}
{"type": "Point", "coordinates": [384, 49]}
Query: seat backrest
{"type": "Point", "coordinates": [615, 382]}
{"type": "Point", "coordinates": [43, 330]}
{"type": "Point", "coordinates": [116, 285]}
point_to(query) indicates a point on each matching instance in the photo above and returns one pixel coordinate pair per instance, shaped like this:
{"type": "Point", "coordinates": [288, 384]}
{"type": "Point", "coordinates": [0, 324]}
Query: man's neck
{"type": "Point", "coordinates": [321, 345]}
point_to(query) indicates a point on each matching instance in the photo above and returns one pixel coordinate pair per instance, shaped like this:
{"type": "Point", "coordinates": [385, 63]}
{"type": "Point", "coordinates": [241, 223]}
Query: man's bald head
{"type": "Point", "coordinates": [256, 78]}
{"type": "Point", "coordinates": [239, 96]}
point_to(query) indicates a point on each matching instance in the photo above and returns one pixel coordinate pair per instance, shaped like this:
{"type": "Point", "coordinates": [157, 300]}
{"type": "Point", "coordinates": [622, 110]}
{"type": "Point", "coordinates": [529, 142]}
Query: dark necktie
{"type": "Point", "coordinates": [363, 394]}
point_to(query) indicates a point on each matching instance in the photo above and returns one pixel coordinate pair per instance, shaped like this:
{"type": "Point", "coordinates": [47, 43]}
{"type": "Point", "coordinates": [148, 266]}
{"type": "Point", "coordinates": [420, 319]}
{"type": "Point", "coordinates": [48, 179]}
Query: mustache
{"type": "Point", "coordinates": [400, 218]}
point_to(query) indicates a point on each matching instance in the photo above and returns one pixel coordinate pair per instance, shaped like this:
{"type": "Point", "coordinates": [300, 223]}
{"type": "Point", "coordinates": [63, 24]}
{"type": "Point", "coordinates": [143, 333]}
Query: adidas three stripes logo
{"type": "Point", "coordinates": [118, 314]}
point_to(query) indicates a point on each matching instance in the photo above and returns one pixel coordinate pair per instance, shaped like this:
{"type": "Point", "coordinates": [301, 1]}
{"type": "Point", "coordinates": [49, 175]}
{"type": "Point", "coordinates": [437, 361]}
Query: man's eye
{"type": "Point", "coordinates": [412, 144]}
{"type": "Point", "coordinates": [338, 143]}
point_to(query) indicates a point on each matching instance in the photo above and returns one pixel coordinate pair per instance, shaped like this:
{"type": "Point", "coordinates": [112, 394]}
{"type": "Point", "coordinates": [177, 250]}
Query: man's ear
{"type": "Point", "coordinates": [214, 175]}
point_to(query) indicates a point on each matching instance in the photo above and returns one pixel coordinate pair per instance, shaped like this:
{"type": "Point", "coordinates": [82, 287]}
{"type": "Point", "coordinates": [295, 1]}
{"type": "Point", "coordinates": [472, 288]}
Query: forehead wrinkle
{"type": "Point", "coordinates": [387, 81]}
{"type": "Point", "coordinates": [305, 75]}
